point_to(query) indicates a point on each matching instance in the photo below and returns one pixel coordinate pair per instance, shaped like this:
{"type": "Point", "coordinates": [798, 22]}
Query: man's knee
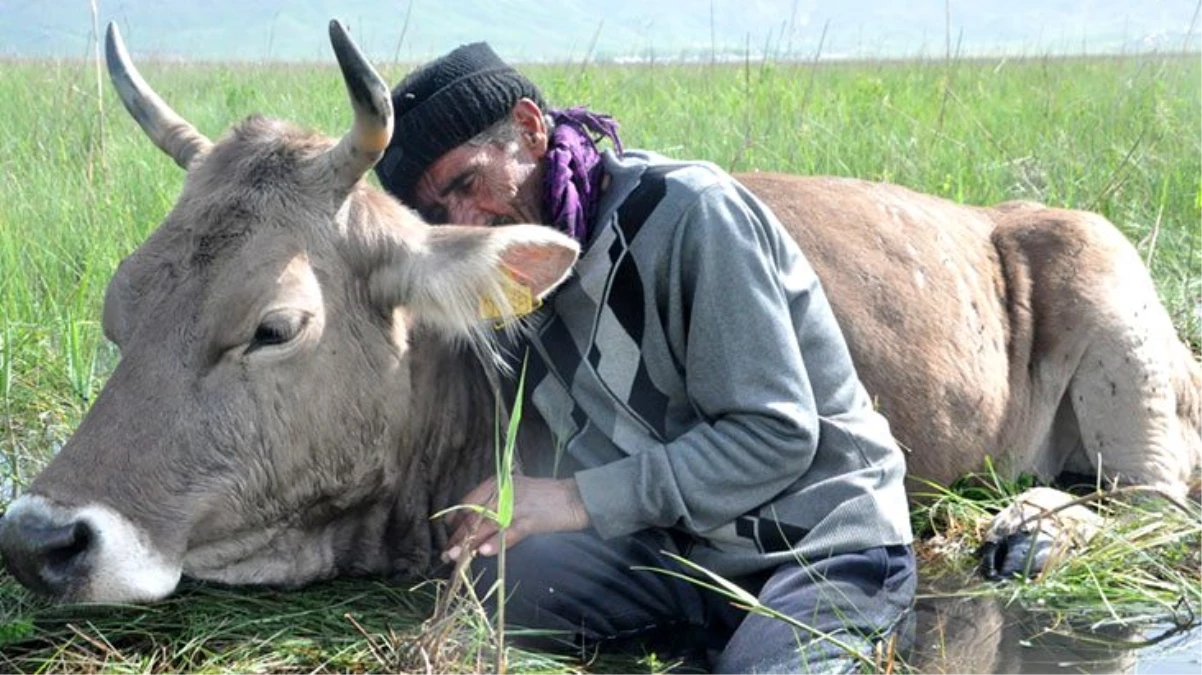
{"type": "Point", "coordinates": [840, 610]}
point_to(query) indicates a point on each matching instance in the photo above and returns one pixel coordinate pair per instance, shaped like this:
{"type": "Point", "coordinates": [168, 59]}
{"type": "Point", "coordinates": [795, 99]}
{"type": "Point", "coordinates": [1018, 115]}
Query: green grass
{"type": "Point", "coordinates": [1142, 566]}
{"type": "Point", "coordinates": [340, 626]}
{"type": "Point", "coordinates": [80, 187]}
{"type": "Point", "coordinates": [1134, 587]}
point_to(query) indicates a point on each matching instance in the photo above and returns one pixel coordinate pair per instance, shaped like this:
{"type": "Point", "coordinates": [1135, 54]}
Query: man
{"type": "Point", "coordinates": [700, 395]}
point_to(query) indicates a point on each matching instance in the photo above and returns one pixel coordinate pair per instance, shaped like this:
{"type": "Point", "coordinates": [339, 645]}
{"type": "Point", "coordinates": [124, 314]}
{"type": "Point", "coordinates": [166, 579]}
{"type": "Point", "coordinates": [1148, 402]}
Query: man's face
{"type": "Point", "coordinates": [490, 184]}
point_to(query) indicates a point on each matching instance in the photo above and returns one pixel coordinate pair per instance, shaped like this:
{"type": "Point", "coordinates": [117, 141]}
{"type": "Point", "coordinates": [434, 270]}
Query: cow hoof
{"type": "Point", "coordinates": [1039, 526]}
{"type": "Point", "coordinates": [1022, 554]}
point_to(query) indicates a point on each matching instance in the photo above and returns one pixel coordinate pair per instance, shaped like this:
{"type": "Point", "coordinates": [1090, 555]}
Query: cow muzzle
{"type": "Point", "coordinates": [43, 555]}
{"type": "Point", "coordinates": [82, 554]}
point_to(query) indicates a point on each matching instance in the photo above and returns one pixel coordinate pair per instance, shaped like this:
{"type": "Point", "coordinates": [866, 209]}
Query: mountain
{"type": "Point", "coordinates": [571, 30]}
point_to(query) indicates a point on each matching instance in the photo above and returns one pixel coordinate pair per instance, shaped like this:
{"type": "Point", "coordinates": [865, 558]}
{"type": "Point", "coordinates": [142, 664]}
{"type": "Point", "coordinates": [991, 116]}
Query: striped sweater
{"type": "Point", "coordinates": [694, 378]}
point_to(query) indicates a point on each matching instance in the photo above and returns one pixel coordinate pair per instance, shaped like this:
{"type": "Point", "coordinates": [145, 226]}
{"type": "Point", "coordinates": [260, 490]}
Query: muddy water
{"type": "Point", "coordinates": [960, 634]}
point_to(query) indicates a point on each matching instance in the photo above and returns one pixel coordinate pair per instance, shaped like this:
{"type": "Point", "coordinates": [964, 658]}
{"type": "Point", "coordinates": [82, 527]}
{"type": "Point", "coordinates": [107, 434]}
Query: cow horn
{"type": "Point", "coordinates": [360, 149]}
{"type": "Point", "coordinates": [172, 133]}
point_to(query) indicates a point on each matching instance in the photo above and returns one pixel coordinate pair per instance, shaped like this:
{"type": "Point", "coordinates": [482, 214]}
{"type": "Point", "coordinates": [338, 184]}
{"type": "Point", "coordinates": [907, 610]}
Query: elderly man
{"type": "Point", "coordinates": [698, 390]}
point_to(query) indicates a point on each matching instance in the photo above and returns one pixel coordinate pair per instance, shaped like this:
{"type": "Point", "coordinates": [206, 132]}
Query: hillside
{"type": "Point", "coordinates": [565, 30]}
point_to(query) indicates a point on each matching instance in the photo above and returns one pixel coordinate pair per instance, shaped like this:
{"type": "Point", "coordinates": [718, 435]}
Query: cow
{"type": "Point", "coordinates": [1029, 335]}
{"type": "Point", "coordinates": [298, 386]}
{"type": "Point", "coordinates": [305, 376]}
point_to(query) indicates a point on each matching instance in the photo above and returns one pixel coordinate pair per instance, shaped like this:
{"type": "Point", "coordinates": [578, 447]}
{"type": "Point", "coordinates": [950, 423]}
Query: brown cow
{"type": "Point", "coordinates": [301, 381]}
{"type": "Point", "coordinates": [1025, 333]}
{"type": "Point", "coordinates": [299, 387]}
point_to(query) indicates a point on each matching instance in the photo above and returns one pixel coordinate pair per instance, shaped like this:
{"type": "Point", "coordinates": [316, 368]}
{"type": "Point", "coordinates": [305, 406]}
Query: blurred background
{"type": "Point", "coordinates": [607, 30]}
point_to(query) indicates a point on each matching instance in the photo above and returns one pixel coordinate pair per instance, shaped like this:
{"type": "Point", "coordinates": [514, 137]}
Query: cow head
{"type": "Point", "coordinates": [289, 386]}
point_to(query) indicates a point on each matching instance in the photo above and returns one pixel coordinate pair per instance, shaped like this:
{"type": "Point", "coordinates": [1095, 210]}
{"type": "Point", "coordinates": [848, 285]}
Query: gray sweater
{"type": "Point", "coordinates": [693, 378]}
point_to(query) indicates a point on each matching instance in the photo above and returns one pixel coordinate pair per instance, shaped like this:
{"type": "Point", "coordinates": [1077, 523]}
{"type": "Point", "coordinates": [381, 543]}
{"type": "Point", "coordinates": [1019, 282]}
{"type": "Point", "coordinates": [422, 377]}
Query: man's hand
{"type": "Point", "coordinates": [539, 505]}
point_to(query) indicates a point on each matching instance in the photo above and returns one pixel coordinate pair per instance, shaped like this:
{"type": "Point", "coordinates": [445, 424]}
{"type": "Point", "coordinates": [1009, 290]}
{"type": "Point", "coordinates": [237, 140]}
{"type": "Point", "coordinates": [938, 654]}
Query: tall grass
{"type": "Point", "coordinates": [1119, 135]}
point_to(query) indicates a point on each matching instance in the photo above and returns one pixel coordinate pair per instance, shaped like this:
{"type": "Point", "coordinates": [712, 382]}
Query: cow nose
{"type": "Point", "coordinates": [45, 556]}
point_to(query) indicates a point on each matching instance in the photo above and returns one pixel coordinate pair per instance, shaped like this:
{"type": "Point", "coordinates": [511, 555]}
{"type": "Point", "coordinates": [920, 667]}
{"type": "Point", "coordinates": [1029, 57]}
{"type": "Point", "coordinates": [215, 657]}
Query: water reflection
{"type": "Point", "coordinates": [977, 634]}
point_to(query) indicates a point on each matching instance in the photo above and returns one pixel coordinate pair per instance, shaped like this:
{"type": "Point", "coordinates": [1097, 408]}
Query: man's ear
{"type": "Point", "coordinates": [528, 117]}
{"type": "Point", "coordinates": [461, 276]}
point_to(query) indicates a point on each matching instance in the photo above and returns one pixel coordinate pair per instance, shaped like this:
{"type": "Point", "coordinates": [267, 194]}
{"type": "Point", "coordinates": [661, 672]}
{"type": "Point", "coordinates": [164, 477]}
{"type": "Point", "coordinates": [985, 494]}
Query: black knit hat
{"type": "Point", "coordinates": [443, 104]}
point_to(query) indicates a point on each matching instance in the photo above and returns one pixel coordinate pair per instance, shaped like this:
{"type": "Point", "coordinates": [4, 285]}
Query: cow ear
{"type": "Point", "coordinates": [459, 277]}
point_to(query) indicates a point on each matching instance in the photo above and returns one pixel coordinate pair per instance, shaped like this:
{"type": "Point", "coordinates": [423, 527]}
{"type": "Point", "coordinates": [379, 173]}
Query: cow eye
{"type": "Point", "coordinates": [276, 329]}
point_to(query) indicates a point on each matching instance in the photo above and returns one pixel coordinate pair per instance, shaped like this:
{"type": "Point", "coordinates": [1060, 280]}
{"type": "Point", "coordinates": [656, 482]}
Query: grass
{"type": "Point", "coordinates": [1145, 561]}
{"type": "Point", "coordinates": [79, 189]}
{"type": "Point", "coordinates": [340, 626]}
{"type": "Point", "coordinates": [1134, 587]}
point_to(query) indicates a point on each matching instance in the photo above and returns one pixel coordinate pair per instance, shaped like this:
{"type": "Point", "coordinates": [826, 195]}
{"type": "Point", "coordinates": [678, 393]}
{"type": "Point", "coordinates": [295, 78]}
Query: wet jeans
{"type": "Point", "coordinates": [584, 592]}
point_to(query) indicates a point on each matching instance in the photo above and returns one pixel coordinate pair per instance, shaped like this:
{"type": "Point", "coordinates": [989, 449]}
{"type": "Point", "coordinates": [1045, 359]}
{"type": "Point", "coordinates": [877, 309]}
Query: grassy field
{"type": "Point", "coordinates": [80, 187]}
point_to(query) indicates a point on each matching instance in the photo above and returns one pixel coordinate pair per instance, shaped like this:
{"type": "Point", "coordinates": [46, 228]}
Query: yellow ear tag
{"type": "Point", "coordinates": [519, 297]}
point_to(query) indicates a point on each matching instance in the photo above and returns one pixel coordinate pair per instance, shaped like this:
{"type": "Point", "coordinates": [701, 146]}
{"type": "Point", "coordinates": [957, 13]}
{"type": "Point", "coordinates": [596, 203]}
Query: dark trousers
{"type": "Point", "coordinates": [584, 592]}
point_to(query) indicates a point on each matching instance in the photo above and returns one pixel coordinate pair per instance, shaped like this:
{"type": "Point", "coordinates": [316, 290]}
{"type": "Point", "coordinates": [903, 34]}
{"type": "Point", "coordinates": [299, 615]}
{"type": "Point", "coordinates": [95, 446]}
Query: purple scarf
{"type": "Point", "coordinates": [573, 181]}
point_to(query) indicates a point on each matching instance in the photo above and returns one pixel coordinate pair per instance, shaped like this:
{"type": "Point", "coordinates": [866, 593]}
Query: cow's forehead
{"type": "Point", "coordinates": [262, 174]}
{"type": "Point", "coordinates": [251, 205]}
{"type": "Point", "coordinates": [259, 179]}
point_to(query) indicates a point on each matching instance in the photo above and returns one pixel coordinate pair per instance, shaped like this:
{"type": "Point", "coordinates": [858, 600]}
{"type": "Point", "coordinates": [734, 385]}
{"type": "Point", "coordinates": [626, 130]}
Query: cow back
{"type": "Point", "coordinates": [917, 288]}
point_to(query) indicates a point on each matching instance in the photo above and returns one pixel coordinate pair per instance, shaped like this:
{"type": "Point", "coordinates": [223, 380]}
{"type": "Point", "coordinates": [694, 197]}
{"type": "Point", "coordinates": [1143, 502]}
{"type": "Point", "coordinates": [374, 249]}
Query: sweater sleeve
{"type": "Point", "coordinates": [745, 287]}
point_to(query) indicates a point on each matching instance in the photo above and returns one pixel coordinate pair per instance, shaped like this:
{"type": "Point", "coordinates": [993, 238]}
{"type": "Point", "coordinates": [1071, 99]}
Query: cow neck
{"type": "Point", "coordinates": [454, 418]}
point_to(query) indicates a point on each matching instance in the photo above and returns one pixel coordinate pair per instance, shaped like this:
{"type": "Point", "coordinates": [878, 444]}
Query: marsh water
{"type": "Point", "coordinates": [958, 633]}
